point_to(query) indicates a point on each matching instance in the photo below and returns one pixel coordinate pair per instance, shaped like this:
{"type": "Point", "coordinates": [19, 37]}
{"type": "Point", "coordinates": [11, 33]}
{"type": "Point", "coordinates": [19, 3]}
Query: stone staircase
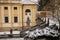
{"type": "Point", "coordinates": [41, 25]}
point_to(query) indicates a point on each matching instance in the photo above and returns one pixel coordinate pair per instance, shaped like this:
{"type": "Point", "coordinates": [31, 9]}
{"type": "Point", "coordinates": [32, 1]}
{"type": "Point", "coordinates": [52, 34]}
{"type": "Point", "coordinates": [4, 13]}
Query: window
{"type": "Point", "coordinates": [27, 11]}
{"type": "Point", "coordinates": [6, 8]}
{"type": "Point", "coordinates": [15, 19]}
{"type": "Point", "coordinates": [15, 8]}
{"type": "Point", "coordinates": [6, 19]}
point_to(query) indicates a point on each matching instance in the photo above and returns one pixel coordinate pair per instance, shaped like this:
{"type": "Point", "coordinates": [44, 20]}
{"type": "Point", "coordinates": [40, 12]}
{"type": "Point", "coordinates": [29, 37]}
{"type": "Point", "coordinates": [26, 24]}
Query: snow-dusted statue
{"type": "Point", "coordinates": [28, 21]}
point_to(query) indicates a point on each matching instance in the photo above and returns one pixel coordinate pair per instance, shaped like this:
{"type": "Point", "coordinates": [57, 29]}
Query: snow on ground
{"type": "Point", "coordinates": [53, 21]}
{"type": "Point", "coordinates": [8, 32]}
{"type": "Point", "coordinates": [13, 39]}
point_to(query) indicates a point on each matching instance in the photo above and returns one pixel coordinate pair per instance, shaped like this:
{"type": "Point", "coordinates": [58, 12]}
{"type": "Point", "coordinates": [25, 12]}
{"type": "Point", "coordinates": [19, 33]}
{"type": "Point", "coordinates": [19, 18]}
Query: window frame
{"type": "Point", "coordinates": [15, 19]}
{"type": "Point", "coordinates": [15, 8]}
{"type": "Point", "coordinates": [5, 8]}
{"type": "Point", "coordinates": [6, 20]}
{"type": "Point", "coordinates": [27, 11]}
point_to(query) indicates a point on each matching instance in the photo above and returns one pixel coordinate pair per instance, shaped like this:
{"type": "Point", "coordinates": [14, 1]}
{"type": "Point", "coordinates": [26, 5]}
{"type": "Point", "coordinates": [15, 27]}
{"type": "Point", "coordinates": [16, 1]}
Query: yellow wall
{"type": "Point", "coordinates": [17, 13]}
{"type": "Point", "coordinates": [33, 13]}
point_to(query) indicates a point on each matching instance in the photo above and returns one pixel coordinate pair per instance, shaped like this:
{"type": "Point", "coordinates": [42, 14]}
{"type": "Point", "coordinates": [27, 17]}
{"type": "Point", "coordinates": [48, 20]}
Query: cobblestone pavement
{"type": "Point", "coordinates": [13, 39]}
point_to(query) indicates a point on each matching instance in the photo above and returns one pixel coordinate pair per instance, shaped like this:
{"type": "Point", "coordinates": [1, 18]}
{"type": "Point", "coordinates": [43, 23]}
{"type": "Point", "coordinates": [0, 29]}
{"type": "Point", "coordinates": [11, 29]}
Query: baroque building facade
{"type": "Point", "coordinates": [17, 14]}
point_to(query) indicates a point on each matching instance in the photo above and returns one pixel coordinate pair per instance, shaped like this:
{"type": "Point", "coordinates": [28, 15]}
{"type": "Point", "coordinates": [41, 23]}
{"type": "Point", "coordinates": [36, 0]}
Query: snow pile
{"type": "Point", "coordinates": [51, 22]}
{"type": "Point", "coordinates": [46, 31]}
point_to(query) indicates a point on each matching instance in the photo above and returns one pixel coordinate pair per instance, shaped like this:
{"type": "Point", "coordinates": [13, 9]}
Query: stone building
{"type": "Point", "coordinates": [16, 14]}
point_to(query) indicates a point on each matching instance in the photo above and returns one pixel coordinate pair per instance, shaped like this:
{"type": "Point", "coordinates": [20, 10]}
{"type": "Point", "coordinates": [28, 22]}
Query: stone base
{"type": "Point", "coordinates": [8, 28]}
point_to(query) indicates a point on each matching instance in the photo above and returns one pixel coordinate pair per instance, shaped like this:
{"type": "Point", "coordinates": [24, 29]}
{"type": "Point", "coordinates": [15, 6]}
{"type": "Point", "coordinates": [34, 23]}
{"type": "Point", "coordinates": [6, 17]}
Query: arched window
{"type": "Point", "coordinates": [28, 11]}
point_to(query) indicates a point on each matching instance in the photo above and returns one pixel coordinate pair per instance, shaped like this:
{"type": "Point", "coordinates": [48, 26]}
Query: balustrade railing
{"type": "Point", "coordinates": [10, 1]}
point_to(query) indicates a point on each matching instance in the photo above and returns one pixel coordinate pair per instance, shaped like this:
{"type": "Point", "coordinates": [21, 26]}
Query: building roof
{"type": "Point", "coordinates": [21, 1]}
{"type": "Point", "coordinates": [29, 1]}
